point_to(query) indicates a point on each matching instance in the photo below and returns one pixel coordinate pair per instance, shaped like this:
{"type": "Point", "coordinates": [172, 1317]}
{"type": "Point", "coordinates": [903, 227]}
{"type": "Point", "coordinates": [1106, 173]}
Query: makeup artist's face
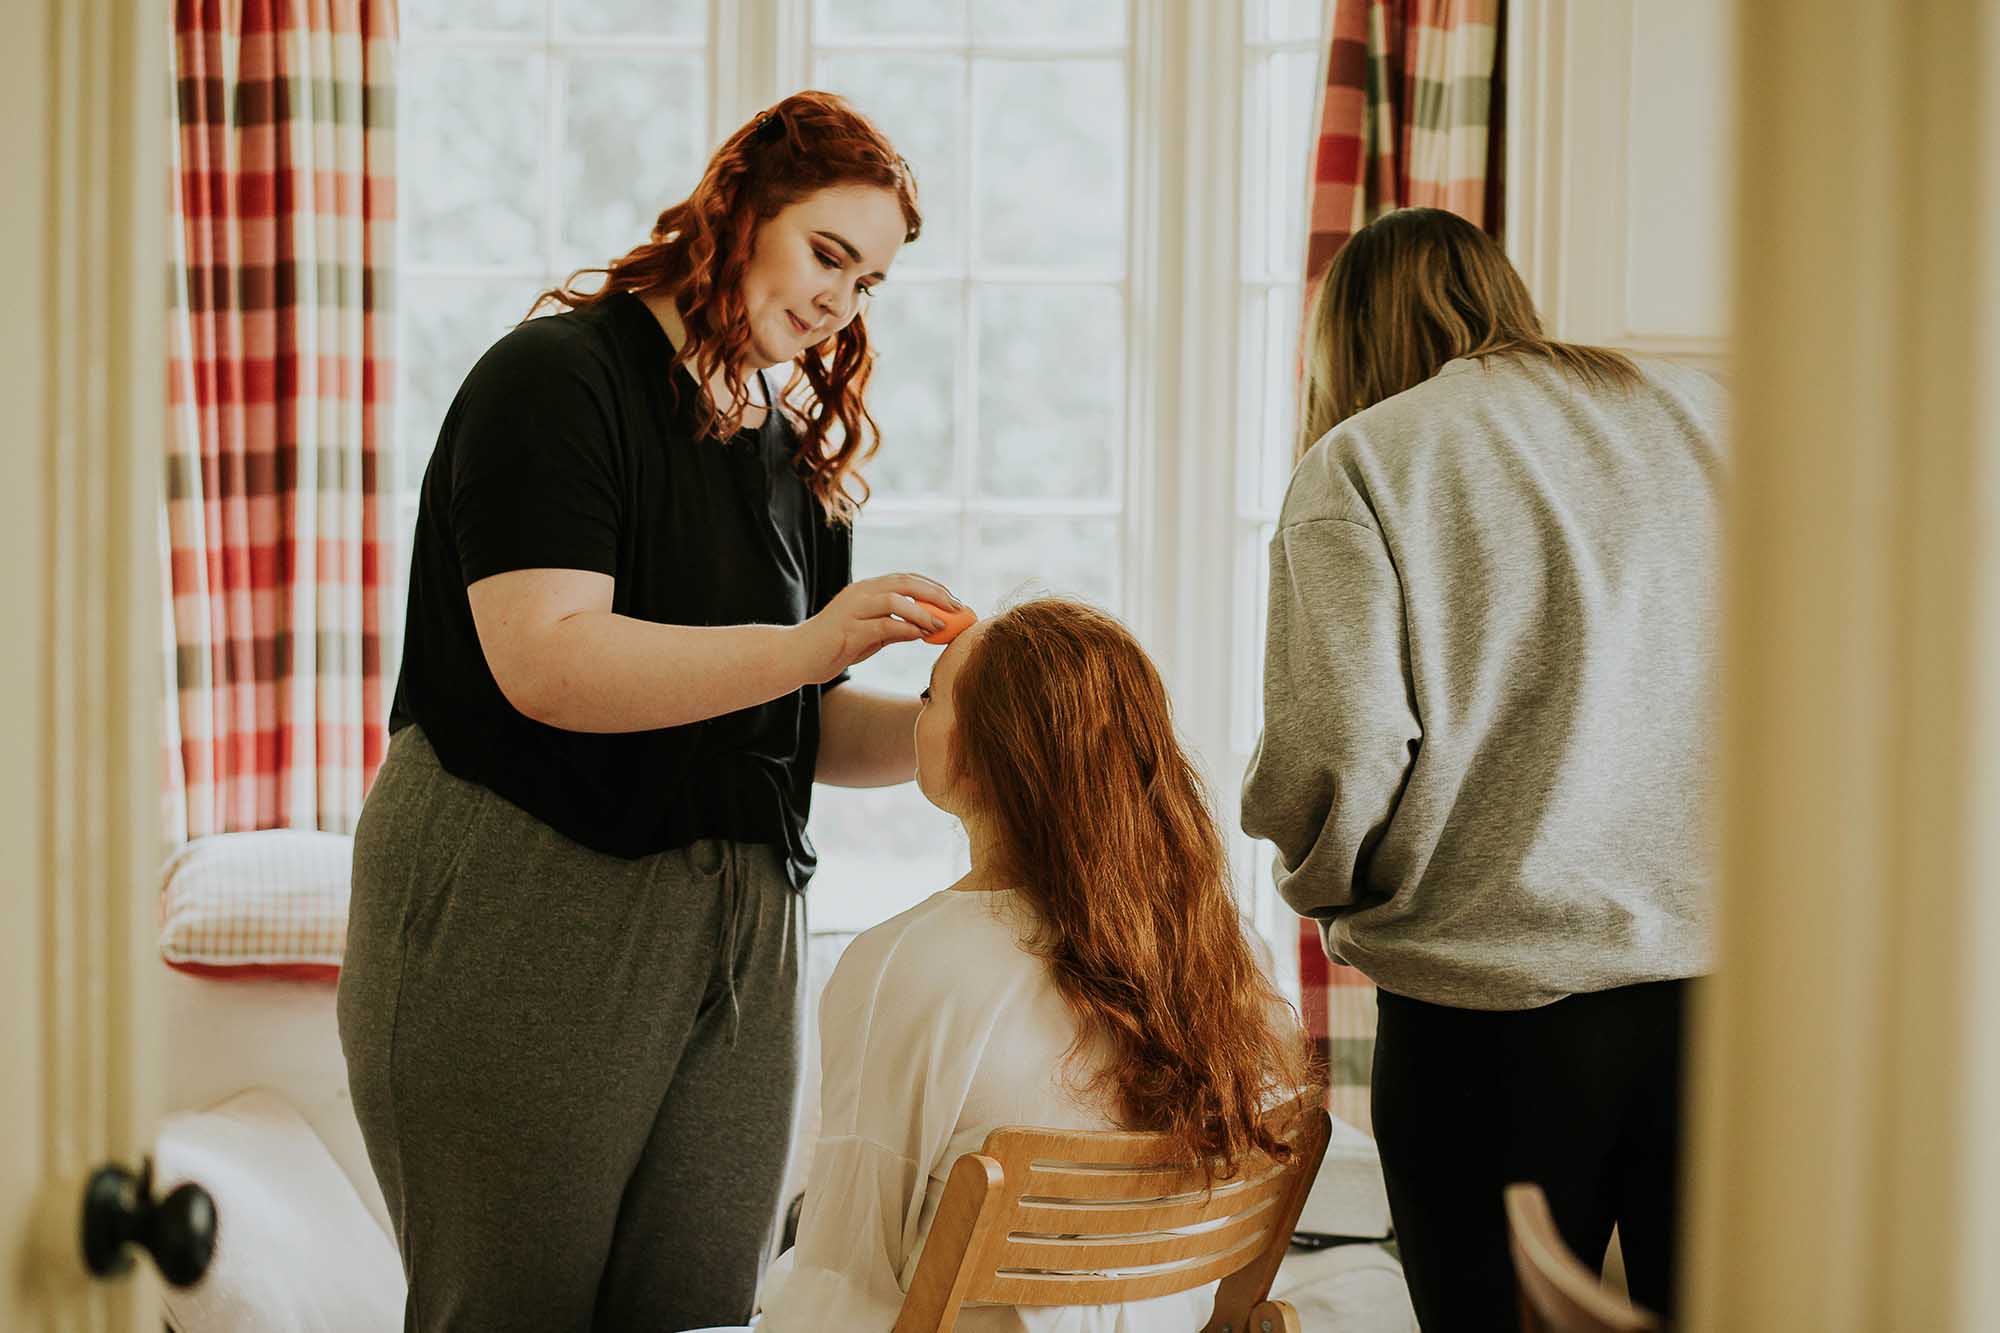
{"type": "Point", "coordinates": [813, 266]}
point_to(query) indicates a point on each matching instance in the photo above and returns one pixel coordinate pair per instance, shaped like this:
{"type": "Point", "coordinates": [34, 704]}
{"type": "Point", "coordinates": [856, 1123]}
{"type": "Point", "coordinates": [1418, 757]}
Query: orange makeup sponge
{"type": "Point", "coordinates": [955, 622]}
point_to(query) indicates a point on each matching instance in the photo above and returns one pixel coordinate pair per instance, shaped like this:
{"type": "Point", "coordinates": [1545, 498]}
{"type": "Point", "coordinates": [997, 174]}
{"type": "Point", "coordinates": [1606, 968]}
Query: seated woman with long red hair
{"type": "Point", "coordinates": [1089, 972]}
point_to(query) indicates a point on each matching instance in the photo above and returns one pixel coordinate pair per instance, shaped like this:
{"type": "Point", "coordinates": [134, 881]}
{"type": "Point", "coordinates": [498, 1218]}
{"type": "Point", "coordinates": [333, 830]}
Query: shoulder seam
{"type": "Point", "coordinates": [1369, 528]}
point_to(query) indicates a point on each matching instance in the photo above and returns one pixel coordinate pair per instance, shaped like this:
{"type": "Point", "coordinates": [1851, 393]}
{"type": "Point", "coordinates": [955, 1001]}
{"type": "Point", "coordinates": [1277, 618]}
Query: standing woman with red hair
{"type": "Point", "coordinates": [1088, 972]}
{"type": "Point", "coordinates": [570, 999]}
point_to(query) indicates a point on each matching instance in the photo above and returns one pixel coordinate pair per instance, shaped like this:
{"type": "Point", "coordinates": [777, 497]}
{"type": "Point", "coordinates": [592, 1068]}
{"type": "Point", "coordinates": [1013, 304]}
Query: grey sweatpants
{"type": "Point", "coordinates": [575, 1073]}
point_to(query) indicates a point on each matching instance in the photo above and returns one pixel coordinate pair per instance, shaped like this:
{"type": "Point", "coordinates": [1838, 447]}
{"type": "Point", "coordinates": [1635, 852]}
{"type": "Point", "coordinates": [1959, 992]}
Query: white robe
{"type": "Point", "coordinates": [935, 1029]}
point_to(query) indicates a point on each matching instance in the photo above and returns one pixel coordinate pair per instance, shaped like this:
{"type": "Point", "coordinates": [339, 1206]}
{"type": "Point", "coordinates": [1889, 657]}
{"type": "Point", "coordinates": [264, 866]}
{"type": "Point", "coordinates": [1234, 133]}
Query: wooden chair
{"type": "Point", "coordinates": [1046, 1217]}
{"type": "Point", "coordinates": [1559, 1294]}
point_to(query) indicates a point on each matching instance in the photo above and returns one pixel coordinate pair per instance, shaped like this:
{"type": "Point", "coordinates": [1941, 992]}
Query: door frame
{"type": "Point", "coordinates": [1846, 1072]}
{"type": "Point", "coordinates": [83, 115]}
{"type": "Point", "coordinates": [1841, 1170]}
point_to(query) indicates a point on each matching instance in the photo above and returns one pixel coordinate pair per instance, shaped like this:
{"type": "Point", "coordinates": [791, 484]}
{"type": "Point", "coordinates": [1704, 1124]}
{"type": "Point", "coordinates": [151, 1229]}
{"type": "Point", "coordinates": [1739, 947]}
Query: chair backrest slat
{"type": "Point", "coordinates": [1017, 1288]}
{"type": "Point", "coordinates": [1104, 1254]}
{"type": "Point", "coordinates": [1124, 1217]}
{"type": "Point", "coordinates": [1077, 1180]}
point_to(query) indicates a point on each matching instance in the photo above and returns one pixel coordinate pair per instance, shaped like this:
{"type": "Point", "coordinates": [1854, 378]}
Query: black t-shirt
{"type": "Point", "coordinates": [567, 448]}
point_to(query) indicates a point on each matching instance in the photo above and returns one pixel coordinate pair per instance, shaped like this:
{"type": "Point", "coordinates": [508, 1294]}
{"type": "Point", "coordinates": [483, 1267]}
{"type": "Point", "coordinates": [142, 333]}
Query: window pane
{"type": "Point", "coordinates": [470, 168]}
{"type": "Point", "coordinates": [918, 101]}
{"type": "Point", "coordinates": [881, 850]}
{"type": "Point", "coordinates": [915, 329]}
{"type": "Point", "coordinates": [668, 18]}
{"type": "Point", "coordinates": [1253, 589]}
{"type": "Point", "coordinates": [1017, 558]}
{"type": "Point", "coordinates": [927, 546]}
{"type": "Point", "coordinates": [633, 133]}
{"type": "Point", "coordinates": [889, 18]}
{"type": "Point", "coordinates": [1253, 355]}
{"type": "Point", "coordinates": [473, 16]}
{"type": "Point", "coordinates": [1277, 383]}
{"type": "Point", "coordinates": [1048, 21]}
{"type": "Point", "coordinates": [1050, 147]}
{"type": "Point", "coordinates": [1051, 383]}
{"type": "Point", "coordinates": [1281, 114]}
{"type": "Point", "coordinates": [1296, 120]}
{"type": "Point", "coordinates": [1284, 20]}
{"type": "Point", "coordinates": [446, 325]}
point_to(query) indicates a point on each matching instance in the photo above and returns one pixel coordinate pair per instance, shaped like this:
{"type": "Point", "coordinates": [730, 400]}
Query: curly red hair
{"type": "Point", "coordinates": [700, 249]}
{"type": "Point", "coordinates": [1064, 734]}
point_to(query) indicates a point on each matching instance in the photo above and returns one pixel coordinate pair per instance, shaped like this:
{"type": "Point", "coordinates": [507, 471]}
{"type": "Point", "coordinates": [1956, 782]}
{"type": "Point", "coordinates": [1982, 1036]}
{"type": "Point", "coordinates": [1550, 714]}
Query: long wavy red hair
{"type": "Point", "coordinates": [1065, 740]}
{"type": "Point", "coordinates": [700, 249]}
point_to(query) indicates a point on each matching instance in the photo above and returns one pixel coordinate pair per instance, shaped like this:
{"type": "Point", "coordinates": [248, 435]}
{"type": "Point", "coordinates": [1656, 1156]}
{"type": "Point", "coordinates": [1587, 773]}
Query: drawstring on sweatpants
{"type": "Point", "coordinates": [732, 883]}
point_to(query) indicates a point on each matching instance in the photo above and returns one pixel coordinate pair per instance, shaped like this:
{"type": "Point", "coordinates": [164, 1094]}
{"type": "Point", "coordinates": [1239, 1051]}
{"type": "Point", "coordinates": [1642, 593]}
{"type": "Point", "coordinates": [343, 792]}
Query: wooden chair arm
{"type": "Point", "coordinates": [967, 1215]}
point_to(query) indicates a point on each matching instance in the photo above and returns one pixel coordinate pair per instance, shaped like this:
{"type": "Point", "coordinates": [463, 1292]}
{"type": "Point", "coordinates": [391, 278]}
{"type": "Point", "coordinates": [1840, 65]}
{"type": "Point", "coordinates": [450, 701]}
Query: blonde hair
{"type": "Point", "coordinates": [1410, 291]}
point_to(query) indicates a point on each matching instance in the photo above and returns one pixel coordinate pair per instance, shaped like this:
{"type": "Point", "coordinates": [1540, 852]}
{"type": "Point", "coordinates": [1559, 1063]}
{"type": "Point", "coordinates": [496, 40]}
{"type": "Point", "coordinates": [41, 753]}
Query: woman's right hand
{"type": "Point", "coordinates": [866, 616]}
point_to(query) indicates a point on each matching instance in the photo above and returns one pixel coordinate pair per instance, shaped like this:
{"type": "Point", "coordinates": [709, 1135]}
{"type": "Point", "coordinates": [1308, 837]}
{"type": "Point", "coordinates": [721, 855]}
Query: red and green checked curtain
{"type": "Point", "coordinates": [1411, 115]}
{"type": "Point", "coordinates": [277, 521]}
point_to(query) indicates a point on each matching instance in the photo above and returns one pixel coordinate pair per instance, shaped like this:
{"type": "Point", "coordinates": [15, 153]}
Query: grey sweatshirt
{"type": "Point", "coordinates": [1488, 684]}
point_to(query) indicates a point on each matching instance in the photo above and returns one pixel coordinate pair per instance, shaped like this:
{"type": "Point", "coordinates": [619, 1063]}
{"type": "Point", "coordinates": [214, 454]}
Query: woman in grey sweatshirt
{"type": "Point", "coordinates": [1487, 714]}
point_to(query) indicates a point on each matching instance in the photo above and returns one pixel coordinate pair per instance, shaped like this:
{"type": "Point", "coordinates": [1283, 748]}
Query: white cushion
{"type": "Point", "coordinates": [1351, 1288]}
{"type": "Point", "coordinates": [295, 1251]}
{"type": "Point", "coordinates": [225, 1035]}
{"type": "Point", "coordinates": [269, 903]}
{"type": "Point", "coordinates": [1348, 1195]}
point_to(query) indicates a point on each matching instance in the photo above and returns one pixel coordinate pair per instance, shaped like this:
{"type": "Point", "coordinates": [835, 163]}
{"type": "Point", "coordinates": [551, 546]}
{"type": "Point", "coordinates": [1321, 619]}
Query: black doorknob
{"type": "Point", "coordinates": [119, 1211]}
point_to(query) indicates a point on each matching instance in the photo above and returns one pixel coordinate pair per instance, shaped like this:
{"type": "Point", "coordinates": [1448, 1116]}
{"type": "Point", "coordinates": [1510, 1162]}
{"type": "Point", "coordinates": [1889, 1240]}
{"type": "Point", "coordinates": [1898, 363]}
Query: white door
{"type": "Point", "coordinates": [82, 116]}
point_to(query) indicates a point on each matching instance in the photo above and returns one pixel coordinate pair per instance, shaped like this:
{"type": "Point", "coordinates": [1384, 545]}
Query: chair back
{"type": "Point", "coordinates": [1051, 1217]}
{"type": "Point", "coordinates": [1559, 1294]}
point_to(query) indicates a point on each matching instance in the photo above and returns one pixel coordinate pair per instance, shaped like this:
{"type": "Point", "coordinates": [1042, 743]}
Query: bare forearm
{"type": "Point", "coordinates": [563, 657]}
{"type": "Point", "coordinates": [597, 671]}
{"type": "Point", "coordinates": [866, 738]}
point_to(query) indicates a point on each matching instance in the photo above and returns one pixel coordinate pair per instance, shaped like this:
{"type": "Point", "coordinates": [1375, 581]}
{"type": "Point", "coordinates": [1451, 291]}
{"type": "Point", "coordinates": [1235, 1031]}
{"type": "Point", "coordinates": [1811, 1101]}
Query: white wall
{"type": "Point", "coordinates": [1619, 169]}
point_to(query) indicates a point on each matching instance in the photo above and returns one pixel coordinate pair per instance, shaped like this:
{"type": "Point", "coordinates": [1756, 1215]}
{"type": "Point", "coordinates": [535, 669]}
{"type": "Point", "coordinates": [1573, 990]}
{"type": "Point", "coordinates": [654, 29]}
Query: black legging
{"type": "Point", "coordinates": [1582, 1097]}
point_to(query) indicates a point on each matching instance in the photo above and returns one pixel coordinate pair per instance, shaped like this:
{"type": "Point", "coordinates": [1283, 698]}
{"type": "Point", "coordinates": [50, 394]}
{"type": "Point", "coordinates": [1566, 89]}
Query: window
{"type": "Point", "coordinates": [1114, 199]}
{"type": "Point", "coordinates": [1002, 366]}
{"type": "Point", "coordinates": [1283, 67]}
{"type": "Point", "coordinates": [535, 137]}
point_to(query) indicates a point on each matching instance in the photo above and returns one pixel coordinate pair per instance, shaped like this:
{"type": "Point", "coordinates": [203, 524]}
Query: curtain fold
{"type": "Point", "coordinates": [278, 519]}
{"type": "Point", "coordinates": [1410, 114]}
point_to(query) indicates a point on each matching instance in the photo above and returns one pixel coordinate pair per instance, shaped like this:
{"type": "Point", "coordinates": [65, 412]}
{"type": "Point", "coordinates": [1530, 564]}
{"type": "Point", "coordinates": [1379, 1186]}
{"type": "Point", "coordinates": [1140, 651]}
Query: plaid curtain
{"type": "Point", "coordinates": [277, 519]}
{"type": "Point", "coordinates": [1411, 115]}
